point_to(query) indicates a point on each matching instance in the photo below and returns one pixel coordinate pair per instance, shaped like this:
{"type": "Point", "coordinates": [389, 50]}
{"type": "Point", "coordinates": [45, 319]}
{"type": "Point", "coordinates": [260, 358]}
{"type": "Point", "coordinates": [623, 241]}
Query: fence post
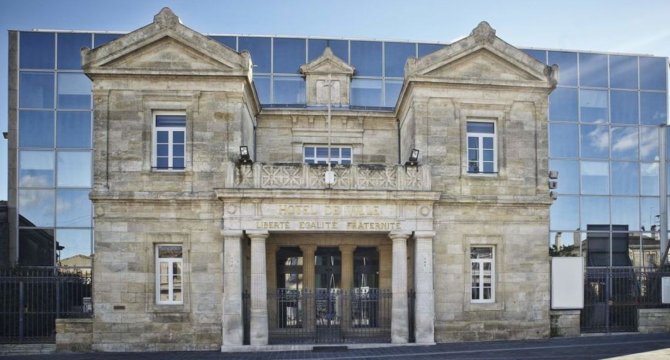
{"type": "Point", "coordinates": [21, 311]}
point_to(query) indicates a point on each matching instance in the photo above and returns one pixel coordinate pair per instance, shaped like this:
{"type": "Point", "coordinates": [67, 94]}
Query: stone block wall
{"type": "Point", "coordinates": [74, 335]}
{"type": "Point", "coordinates": [565, 323]}
{"type": "Point", "coordinates": [654, 320]}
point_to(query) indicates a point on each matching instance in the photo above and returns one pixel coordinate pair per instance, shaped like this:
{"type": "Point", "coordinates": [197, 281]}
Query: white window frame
{"type": "Point", "coordinates": [334, 160]}
{"type": "Point", "coordinates": [171, 130]}
{"type": "Point", "coordinates": [481, 262]}
{"type": "Point", "coordinates": [480, 147]}
{"type": "Point", "coordinates": [170, 261]}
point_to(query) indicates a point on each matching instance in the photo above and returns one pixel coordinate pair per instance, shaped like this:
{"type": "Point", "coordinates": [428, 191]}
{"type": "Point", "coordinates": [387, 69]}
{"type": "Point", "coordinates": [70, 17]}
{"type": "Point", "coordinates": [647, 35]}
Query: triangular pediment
{"type": "Point", "coordinates": [327, 63]}
{"type": "Point", "coordinates": [484, 65]}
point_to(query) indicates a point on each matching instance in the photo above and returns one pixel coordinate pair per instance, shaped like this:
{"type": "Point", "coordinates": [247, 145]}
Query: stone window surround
{"type": "Point", "coordinates": [332, 146]}
{"type": "Point", "coordinates": [492, 261]}
{"type": "Point", "coordinates": [498, 114]}
{"type": "Point", "coordinates": [153, 240]}
{"type": "Point", "coordinates": [480, 146]}
{"type": "Point", "coordinates": [496, 242]}
{"type": "Point", "coordinates": [154, 140]}
{"type": "Point", "coordinates": [157, 273]}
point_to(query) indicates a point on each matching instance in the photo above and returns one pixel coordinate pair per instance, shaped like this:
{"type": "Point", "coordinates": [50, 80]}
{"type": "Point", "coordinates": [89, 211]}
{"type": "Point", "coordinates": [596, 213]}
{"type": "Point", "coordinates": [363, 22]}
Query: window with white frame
{"type": "Point", "coordinates": [481, 147]}
{"type": "Point", "coordinates": [169, 275]}
{"type": "Point", "coordinates": [482, 265]}
{"type": "Point", "coordinates": [319, 155]}
{"type": "Point", "coordinates": [169, 141]}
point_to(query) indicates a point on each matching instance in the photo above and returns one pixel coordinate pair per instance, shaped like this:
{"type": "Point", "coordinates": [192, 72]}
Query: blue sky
{"type": "Point", "coordinates": [609, 26]}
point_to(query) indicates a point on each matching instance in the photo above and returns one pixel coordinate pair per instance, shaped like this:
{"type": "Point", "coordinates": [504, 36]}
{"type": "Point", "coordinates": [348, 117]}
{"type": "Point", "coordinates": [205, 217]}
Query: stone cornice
{"type": "Point", "coordinates": [352, 195]}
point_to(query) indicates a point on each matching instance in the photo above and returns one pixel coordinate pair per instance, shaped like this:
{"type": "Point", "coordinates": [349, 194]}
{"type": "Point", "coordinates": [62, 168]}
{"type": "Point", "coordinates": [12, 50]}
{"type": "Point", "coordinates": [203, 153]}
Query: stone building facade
{"type": "Point", "coordinates": [200, 248]}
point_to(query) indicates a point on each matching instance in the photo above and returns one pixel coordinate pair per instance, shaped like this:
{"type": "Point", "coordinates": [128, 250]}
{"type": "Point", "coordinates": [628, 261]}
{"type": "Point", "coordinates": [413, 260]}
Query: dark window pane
{"type": "Point", "coordinates": [568, 175]}
{"type": "Point", "coordinates": [392, 91]}
{"type": "Point", "coordinates": [178, 163]}
{"type": "Point", "coordinates": [74, 242]}
{"type": "Point", "coordinates": [73, 208]}
{"type": "Point", "coordinates": [289, 90]}
{"type": "Point", "coordinates": [653, 108]}
{"type": "Point", "coordinates": [102, 39]}
{"type": "Point", "coordinates": [170, 120]}
{"type": "Point", "coordinates": [593, 106]}
{"type": "Point", "coordinates": [425, 49]}
{"type": "Point", "coordinates": [648, 143]}
{"type": "Point", "coordinates": [73, 129]}
{"type": "Point", "coordinates": [623, 72]}
{"type": "Point", "coordinates": [262, 84]}
{"type": "Point", "coordinates": [36, 207]}
{"type": "Point", "coordinates": [624, 142]}
{"type": "Point", "coordinates": [36, 90]}
{"type": "Point", "coordinates": [36, 129]}
{"type": "Point", "coordinates": [36, 247]}
{"type": "Point", "coordinates": [626, 211]}
{"type": "Point", "coordinates": [593, 70]}
{"type": "Point", "coordinates": [69, 49]}
{"type": "Point", "coordinates": [259, 48]}
{"type": "Point", "coordinates": [481, 127]}
{"type": "Point", "coordinates": [563, 140]}
{"type": "Point", "coordinates": [595, 141]}
{"type": "Point", "coordinates": [366, 58]}
{"type": "Point", "coordinates": [563, 104]}
{"type": "Point", "coordinates": [178, 150]}
{"type": "Point", "coordinates": [37, 50]}
{"type": "Point", "coordinates": [288, 55]}
{"type": "Point", "coordinates": [163, 149]}
{"type": "Point", "coordinates": [178, 137]}
{"type": "Point", "coordinates": [395, 57]}
{"type": "Point", "coordinates": [567, 66]}
{"type": "Point", "coordinates": [565, 213]}
{"type": "Point", "coordinates": [74, 168]}
{"type": "Point", "coordinates": [594, 210]}
{"type": "Point", "coordinates": [74, 91]}
{"type": "Point", "coordinates": [229, 41]}
{"type": "Point", "coordinates": [624, 107]}
{"type": "Point", "coordinates": [625, 178]}
{"type": "Point", "coordinates": [649, 212]}
{"type": "Point", "coordinates": [653, 73]}
{"type": "Point", "coordinates": [36, 169]}
{"type": "Point", "coordinates": [539, 55]}
{"type": "Point", "coordinates": [366, 92]}
{"type": "Point", "coordinates": [317, 46]}
{"type": "Point", "coordinates": [162, 136]}
{"type": "Point", "coordinates": [162, 162]}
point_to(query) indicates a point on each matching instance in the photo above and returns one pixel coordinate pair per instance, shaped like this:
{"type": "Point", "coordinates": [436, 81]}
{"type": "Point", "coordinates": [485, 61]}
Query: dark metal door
{"type": "Point", "coordinates": [328, 296]}
{"type": "Point", "coordinates": [610, 300]}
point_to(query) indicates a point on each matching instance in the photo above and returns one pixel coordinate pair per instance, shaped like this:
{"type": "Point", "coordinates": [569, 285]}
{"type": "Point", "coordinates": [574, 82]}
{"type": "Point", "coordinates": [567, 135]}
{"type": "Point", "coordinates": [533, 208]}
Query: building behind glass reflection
{"type": "Point", "coordinates": [604, 125]}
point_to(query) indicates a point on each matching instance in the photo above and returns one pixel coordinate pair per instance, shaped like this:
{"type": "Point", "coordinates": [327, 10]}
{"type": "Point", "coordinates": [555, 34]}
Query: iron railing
{"type": "Point", "coordinates": [31, 299]}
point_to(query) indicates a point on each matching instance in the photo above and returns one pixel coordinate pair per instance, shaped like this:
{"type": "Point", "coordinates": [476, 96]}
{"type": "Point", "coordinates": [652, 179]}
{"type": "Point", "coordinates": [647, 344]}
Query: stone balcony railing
{"type": "Point", "coordinates": [347, 177]}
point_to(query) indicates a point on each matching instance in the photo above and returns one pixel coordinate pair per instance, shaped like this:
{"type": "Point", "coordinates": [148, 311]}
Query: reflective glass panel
{"type": "Point", "coordinates": [425, 49]}
{"type": "Point", "coordinates": [624, 107]}
{"type": "Point", "coordinates": [74, 91]}
{"type": "Point", "coordinates": [366, 92]}
{"type": "Point", "coordinates": [317, 46]}
{"type": "Point", "coordinates": [289, 90]}
{"type": "Point", "coordinates": [391, 92]}
{"type": "Point", "coordinates": [593, 106]}
{"type": "Point", "coordinates": [229, 41]}
{"type": "Point", "coordinates": [74, 242]}
{"type": "Point", "coordinates": [69, 49]}
{"type": "Point", "coordinates": [625, 211]}
{"type": "Point", "coordinates": [36, 90]}
{"type": "Point", "coordinates": [36, 168]}
{"type": "Point", "coordinates": [563, 140]}
{"type": "Point", "coordinates": [595, 210]}
{"type": "Point", "coordinates": [36, 129]}
{"type": "Point", "coordinates": [259, 48]}
{"type": "Point", "coordinates": [568, 175]}
{"type": "Point", "coordinates": [37, 50]}
{"type": "Point", "coordinates": [288, 55]}
{"type": "Point", "coordinates": [653, 108]}
{"type": "Point", "coordinates": [593, 70]}
{"type": "Point", "coordinates": [36, 247]}
{"type": "Point", "coordinates": [649, 178]}
{"type": "Point", "coordinates": [625, 178]}
{"type": "Point", "coordinates": [563, 104]}
{"type": "Point", "coordinates": [102, 39]}
{"type": "Point", "coordinates": [623, 72]}
{"type": "Point", "coordinates": [395, 57]}
{"type": "Point", "coordinates": [567, 63]}
{"type": "Point", "coordinates": [539, 55]}
{"type": "Point", "coordinates": [73, 208]}
{"type": "Point", "coordinates": [649, 212]}
{"type": "Point", "coordinates": [595, 141]}
{"type": "Point", "coordinates": [36, 208]}
{"type": "Point", "coordinates": [624, 142]}
{"type": "Point", "coordinates": [595, 177]}
{"type": "Point", "coordinates": [74, 168]}
{"type": "Point", "coordinates": [73, 129]}
{"type": "Point", "coordinates": [653, 73]}
{"type": "Point", "coordinates": [262, 84]}
{"type": "Point", "coordinates": [366, 58]}
{"type": "Point", "coordinates": [565, 213]}
{"type": "Point", "coordinates": [649, 143]}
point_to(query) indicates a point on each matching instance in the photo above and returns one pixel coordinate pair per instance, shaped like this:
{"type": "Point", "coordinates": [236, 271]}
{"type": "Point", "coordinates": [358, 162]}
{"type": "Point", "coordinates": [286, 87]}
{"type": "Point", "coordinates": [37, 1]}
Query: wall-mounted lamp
{"type": "Point", "coordinates": [244, 155]}
{"type": "Point", "coordinates": [413, 158]}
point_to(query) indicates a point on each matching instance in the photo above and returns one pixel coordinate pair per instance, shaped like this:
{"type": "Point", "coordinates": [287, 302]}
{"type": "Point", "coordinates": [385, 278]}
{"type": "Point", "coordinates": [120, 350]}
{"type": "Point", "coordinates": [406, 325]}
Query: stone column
{"type": "Point", "coordinates": [258, 326]}
{"type": "Point", "coordinates": [233, 329]}
{"type": "Point", "coordinates": [308, 284]}
{"type": "Point", "coordinates": [399, 313]}
{"type": "Point", "coordinates": [424, 303]}
{"type": "Point", "coordinates": [271, 261]}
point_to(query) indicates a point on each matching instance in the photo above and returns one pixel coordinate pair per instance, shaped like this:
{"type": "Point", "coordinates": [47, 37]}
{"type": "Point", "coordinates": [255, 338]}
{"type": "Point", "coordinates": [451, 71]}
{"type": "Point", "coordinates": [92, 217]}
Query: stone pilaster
{"type": "Point", "coordinates": [308, 266]}
{"type": "Point", "coordinates": [258, 328]}
{"type": "Point", "coordinates": [424, 303]}
{"type": "Point", "coordinates": [232, 288]}
{"type": "Point", "coordinates": [347, 254]}
{"type": "Point", "coordinates": [399, 313]}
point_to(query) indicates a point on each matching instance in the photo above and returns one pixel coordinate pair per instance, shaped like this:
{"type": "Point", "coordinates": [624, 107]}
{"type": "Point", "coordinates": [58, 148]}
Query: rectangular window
{"type": "Point", "coordinates": [481, 147]}
{"type": "Point", "coordinates": [482, 263]}
{"type": "Point", "coordinates": [319, 155]}
{"type": "Point", "coordinates": [169, 275]}
{"type": "Point", "coordinates": [169, 142]}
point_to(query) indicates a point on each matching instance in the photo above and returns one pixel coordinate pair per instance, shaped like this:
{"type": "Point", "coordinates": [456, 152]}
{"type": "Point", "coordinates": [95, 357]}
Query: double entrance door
{"type": "Point", "coordinates": [328, 300]}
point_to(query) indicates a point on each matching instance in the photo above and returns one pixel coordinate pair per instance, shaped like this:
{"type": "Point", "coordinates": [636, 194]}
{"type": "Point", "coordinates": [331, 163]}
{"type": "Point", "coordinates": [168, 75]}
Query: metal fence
{"type": "Point", "coordinates": [612, 297]}
{"type": "Point", "coordinates": [31, 299]}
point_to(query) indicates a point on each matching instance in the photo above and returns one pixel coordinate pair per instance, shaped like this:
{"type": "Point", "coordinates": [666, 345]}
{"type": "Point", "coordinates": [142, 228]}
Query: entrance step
{"type": "Point", "coordinates": [330, 348]}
